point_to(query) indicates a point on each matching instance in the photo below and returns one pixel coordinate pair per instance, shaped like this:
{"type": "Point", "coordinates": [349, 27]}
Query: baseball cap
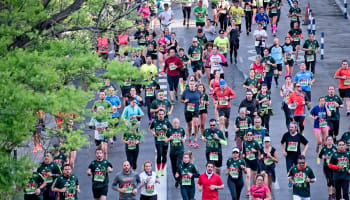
{"type": "Point", "coordinates": [221, 31]}
{"type": "Point", "coordinates": [267, 139]}
{"type": "Point", "coordinates": [222, 83]}
{"type": "Point", "coordinates": [235, 149]}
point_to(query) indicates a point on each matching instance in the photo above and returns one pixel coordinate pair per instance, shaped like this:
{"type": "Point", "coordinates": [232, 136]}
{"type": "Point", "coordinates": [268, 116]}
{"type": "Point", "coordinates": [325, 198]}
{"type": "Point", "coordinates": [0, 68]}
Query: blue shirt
{"type": "Point", "coordinates": [115, 101]}
{"type": "Point", "coordinates": [304, 78]}
{"type": "Point", "coordinates": [193, 97]}
{"type": "Point", "coordinates": [258, 134]}
{"type": "Point", "coordinates": [287, 49]}
{"type": "Point", "coordinates": [129, 112]}
{"type": "Point", "coordinates": [277, 54]}
{"type": "Point", "coordinates": [262, 18]}
{"type": "Point", "coordinates": [321, 120]}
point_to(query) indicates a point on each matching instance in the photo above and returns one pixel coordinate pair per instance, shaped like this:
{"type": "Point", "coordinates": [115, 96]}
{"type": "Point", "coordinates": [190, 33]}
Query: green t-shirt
{"type": "Point", "coordinates": [196, 53]}
{"type": "Point", "coordinates": [99, 173]}
{"type": "Point", "coordinates": [176, 145]}
{"type": "Point", "coordinates": [222, 44]}
{"type": "Point", "coordinates": [105, 104]}
{"type": "Point", "coordinates": [327, 152]}
{"type": "Point", "coordinates": [184, 59]}
{"type": "Point", "coordinates": [213, 145]}
{"type": "Point", "coordinates": [59, 159]}
{"type": "Point", "coordinates": [346, 138]}
{"type": "Point", "coordinates": [243, 125]}
{"type": "Point", "coordinates": [203, 11]}
{"type": "Point", "coordinates": [295, 33]}
{"type": "Point", "coordinates": [202, 40]}
{"type": "Point", "coordinates": [292, 11]}
{"type": "Point", "coordinates": [301, 188]}
{"type": "Point", "coordinates": [160, 131]}
{"type": "Point", "coordinates": [202, 105]}
{"type": "Point", "coordinates": [151, 47]}
{"type": "Point", "coordinates": [183, 170]}
{"type": "Point", "coordinates": [248, 147]}
{"type": "Point", "coordinates": [234, 167]}
{"type": "Point", "coordinates": [164, 104]}
{"type": "Point", "coordinates": [338, 158]}
{"type": "Point", "coordinates": [150, 88]}
{"type": "Point", "coordinates": [45, 168]}
{"type": "Point", "coordinates": [70, 183]}
{"type": "Point", "coordinates": [334, 110]}
{"type": "Point", "coordinates": [268, 68]}
{"type": "Point", "coordinates": [308, 44]}
{"type": "Point", "coordinates": [249, 82]}
{"type": "Point", "coordinates": [133, 137]}
{"type": "Point", "coordinates": [34, 182]}
{"type": "Point", "coordinates": [260, 97]}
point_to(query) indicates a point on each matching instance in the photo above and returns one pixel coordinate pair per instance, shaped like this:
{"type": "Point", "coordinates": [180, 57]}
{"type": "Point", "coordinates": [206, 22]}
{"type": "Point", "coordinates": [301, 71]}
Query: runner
{"type": "Point", "coordinates": [251, 83]}
{"type": "Point", "coordinates": [191, 99]}
{"type": "Point", "coordinates": [67, 185]}
{"type": "Point", "coordinates": [203, 106]}
{"type": "Point", "coordinates": [186, 11]}
{"type": "Point", "coordinates": [270, 65]}
{"type": "Point", "coordinates": [251, 154]}
{"type": "Point", "coordinates": [292, 149]}
{"type": "Point", "coordinates": [161, 104]}
{"type": "Point", "coordinates": [234, 34]}
{"type": "Point", "coordinates": [144, 12]}
{"type": "Point", "coordinates": [259, 131]}
{"type": "Point", "coordinates": [176, 136]}
{"type": "Point", "coordinates": [241, 126]}
{"type": "Point", "coordinates": [186, 173]}
{"type": "Point", "coordinates": [286, 90]}
{"type": "Point", "coordinates": [334, 102]}
{"type": "Point", "coordinates": [222, 43]}
{"type": "Point", "coordinates": [34, 186]}
{"type": "Point", "coordinates": [250, 103]}
{"type": "Point", "coordinates": [148, 181]}
{"type": "Point", "coordinates": [269, 159]}
{"type": "Point", "coordinates": [294, 14]}
{"type": "Point", "coordinates": [195, 53]}
{"type": "Point", "coordinates": [258, 67]}
{"type": "Point", "coordinates": [106, 105]}
{"type": "Point", "coordinates": [150, 87]}
{"type": "Point", "coordinates": [248, 13]}
{"type": "Point", "coordinates": [214, 138]}
{"type": "Point", "coordinates": [162, 50]}
{"type": "Point", "coordinates": [236, 13]}
{"type": "Point", "coordinates": [134, 94]}
{"type": "Point", "coordinates": [311, 48]}
{"type": "Point", "coordinates": [172, 66]}
{"type": "Point", "coordinates": [222, 8]}
{"type": "Point", "coordinates": [202, 39]}
{"type": "Point", "coordinates": [206, 53]}
{"type": "Point", "coordinates": [320, 114]}
{"type": "Point", "coordinates": [99, 170]}
{"type": "Point", "coordinates": [343, 74]}
{"type": "Point", "coordinates": [200, 12]}
{"type": "Point", "coordinates": [306, 80]}
{"type": "Point", "coordinates": [166, 17]}
{"type": "Point", "coordinates": [209, 31]}
{"type": "Point", "coordinates": [265, 109]}
{"type": "Point", "coordinates": [346, 138]}
{"type": "Point", "coordinates": [132, 139]}
{"type": "Point", "coordinates": [274, 7]}
{"type": "Point", "coordinates": [260, 36]}
{"type": "Point", "coordinates": [49, 170]}
{"type": "Point", "coordinates": [296, 102]}
{"type": "Point", "coordinates": [160, 126]}
{"type": "Point", "coordinates": [235, 166]}
{"type": "Point", "coordinates": [325, 154]}
{"type": "Point", "coordinates": [295, 35]}
{"type": "Point", "coordinates": [217, 61]}
{"type": "Point", "coordinates": [209, 183]}
{"type": "Point", "coordinates": [262, 18]}
{"type": "Point", "coordinates": [172, 43]}
{"type": "Point", "coordinates": [279, 55]}
{"type": "Point", "coordinates": [259, 190]}
{"type": "Point", "coordinates": [151, 49]}
{"type": "Point", "coordinates": [215, 83]}
{"type": "Point", "coordinates": [116, 104]}
{"type": "Point", "coordinates": [58, 157]}
{"type": "Point", "coordinates": [126, 182]}
{"type": "Point", "coordinates": [289, 59]}
{"type": "Point", "coordinates": [132, 112]}
{"type": "Point", "coordinates": [222, 97]}
{"type": "Point", "coordinates": [183, 71]}
{"type": "Point", "coordinates": [301, 176]}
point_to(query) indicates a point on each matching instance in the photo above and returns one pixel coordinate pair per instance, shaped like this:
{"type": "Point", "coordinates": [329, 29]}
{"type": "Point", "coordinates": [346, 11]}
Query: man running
{"type": "Point", "coordinates": [297, 100]}
{"type": "Point", "coordinates": [343, 74]}
{"type": "Point", "coordinates": [200, 12]}
{"type": "Point", "coordinates": [278, 54]}
{"type": "Point", "coordinates": [126, 182]}
{"type": "Point", "coordinates": [161, 104]}
{"type": "Point", "coordinates": [67, 185]}
{"type": "Point", "coordinates": [195, 52]}
{"type": "Point", "coordinates": [311, 47]}
{"type": "Point", "coordinates": [209, 183]}
{"type": "Point", "coordinates": [306, 79]}
{"type": "Point", "coordinates": [166, 17]}
{"type": "Point", "coordinates": [334, 102]}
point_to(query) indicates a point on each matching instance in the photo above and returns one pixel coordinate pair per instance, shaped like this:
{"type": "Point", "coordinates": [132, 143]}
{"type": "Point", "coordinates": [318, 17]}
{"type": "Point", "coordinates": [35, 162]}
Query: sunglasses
{"type": "Point", "coordinates": [249, 135]}
{"type": "Point", "coordinates": [301, 163]}
{"type": "Point", "coordinates": [298, 86]}
{"type": "Point", "coordinates": [212, 124]}
{"type": "Point", "coordinates": [235, 152]}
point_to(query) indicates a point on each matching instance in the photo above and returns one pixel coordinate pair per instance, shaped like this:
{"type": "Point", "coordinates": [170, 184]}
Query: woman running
{"type": "Point", "coordinates": [259, 190]}
{"type": "Point", "coordinates": [207, 51]}
{"type": "Point", "coordinates": [235, 167]}
{"type": "Point", "coordinates": [252, 83]}
{"type": "Point", "coordinates": [162, 50]}
{"type": "Point", "coordinates": [269, 158]}
{"type": "Point", "coordinates": [148, 181]}
{"type": "Point", "coordinates": [132, 140]}
{"type": "Point", "coordinates": [289, 59]}
{"type": "Point", "coordinates": [285, 91]}
{"type": "Point", "coordinates": [296, 35]}
{"type": "Point", "coordinates": [274, 6]}
{"type": "Point", "coordinates": [215, 83]}
{"type": "Point", "coordinates": [203, 106]}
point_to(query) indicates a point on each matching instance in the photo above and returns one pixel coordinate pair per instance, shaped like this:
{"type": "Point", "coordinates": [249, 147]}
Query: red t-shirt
{"type": "Point", "coordinates": [299, 99]}
{"type": "Point", "coordinates": [259, 192]}
{"type": "Point", "coordinates": [222, 102]}
{"type": "Point", "coordinates": [343, 84]}
{"type": "Point", "coordinates": [208, 194]}
{"type": "Point", "coordinates": [172, 66]}
{"type": "Point", "coordinates": [258, 71]}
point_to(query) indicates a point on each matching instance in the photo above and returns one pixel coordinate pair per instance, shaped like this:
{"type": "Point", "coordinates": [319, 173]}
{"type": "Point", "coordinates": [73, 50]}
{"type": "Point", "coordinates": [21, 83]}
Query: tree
{"type": "Point", "coordinates": [48, 62]}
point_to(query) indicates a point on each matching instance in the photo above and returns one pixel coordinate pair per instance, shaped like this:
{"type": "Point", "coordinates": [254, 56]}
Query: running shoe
{"type": "Point", "coordinates": [348, 113]}
{"type": "Point", "coordinates": [35, 150]}
{"type": "Point", "coordinates": [158, 173]}
{"type": "Point", "coordinates": [290, 185]}
{"type": "Point", "coordinates": [317, 148]}
{"type": "Point", "coordinates": [162, 172]}
{"type": "Point", "coordinates": [176, 184]}
{"type": "Point", "coordinates": [196, 145]}
{"type": "Point", "coordinates": [40, 147]}
{"type": "Point", "coordinates": [226, 134]}
{"type": "Point", "coordinates": [190, 143]}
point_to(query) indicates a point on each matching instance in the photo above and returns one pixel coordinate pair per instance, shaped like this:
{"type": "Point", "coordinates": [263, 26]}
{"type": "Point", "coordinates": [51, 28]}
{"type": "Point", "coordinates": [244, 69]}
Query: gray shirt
{"type": "Point", "coordinates": [210, 33]}
{"type": "Point", "coordinates": [128, 181]}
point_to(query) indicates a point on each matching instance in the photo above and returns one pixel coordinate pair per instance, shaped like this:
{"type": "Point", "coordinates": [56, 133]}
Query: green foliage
{"type": "Point", "coordinates": [118, 72]}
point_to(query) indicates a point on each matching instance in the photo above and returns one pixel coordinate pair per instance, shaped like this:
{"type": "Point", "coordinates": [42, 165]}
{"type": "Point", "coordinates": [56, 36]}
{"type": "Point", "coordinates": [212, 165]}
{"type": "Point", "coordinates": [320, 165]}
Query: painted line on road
{"type": "Point", "coordinates": [240, 59]}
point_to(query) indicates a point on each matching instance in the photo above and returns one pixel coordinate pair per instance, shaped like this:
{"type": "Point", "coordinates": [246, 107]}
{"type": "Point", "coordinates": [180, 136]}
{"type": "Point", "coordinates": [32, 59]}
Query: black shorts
{"type": "Point", "coordinates": [328, 173]}
{"type": "Point", "coordinates": [154, 56]}
{"type": "Point", "coordinates": [221, 76]}
{"type": "Point", "coordinates": [279, 67]}
{"type": "Point", "coordinates": [265, 4]}
{"type": "Point", "coordinates": [308, 94]}
{"type": "Point", "coordinates": [99, 142]}
{"type": "Point", "coordinates": [344, 93]}
{"type": "Point", "coordinates": [184, 74]}
{"type": "Point", "coordinates": [190, 115]}
{"type": "Point", "coordinates": [205, 111]}
{"type": "Point", "coordinates": [98, 192]}
{"type": "Point", "coordinates": [196, 67]}
{"type": "Point", "coordinates": [273, 14]}
{"type": "Point", "coordinates": [252, 164]}
{"type": "Point", "coordinates": [186, 12]}
{"type": "Point", "coordinates": [224, 112]}
{"type": "Point", "coordinates": [201, 24]}
{"type": "Point", "coordinates": [217, 163]}
{"type": "Point", "coordinates": [295, 43]}
{"type": "Point", "coordinates": [290, 63]}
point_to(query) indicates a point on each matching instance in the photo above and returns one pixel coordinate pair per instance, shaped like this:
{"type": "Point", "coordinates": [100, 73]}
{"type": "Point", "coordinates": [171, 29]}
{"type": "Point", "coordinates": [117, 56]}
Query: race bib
{"type": "Point", "coordinates": [265, 105]}
{"type": "Point", "coordinates": [299, 178]}
{"type": "Point", "coordinates": [222, 49]}
{"type": "Point", "coordinates": [304, 82]}
{"type": "Point", "coordinates": [250, 155]}
{"type": "Point", "coordinates": [332, 106]}
{"type": "Point", "coordinates": [186, 180]}
{"type": "Point", "coordinates": [296, 38]}
{"type": "Point", "coordinates": [248, 8]}
{"type": "Point", "coordinates": [258, 76]}
{"type": "Point", "coordinates": [30, 189]}
{"type": "Point", "coordinates": [255, 90]}
{"type": "Point", "coordinates": [322, 123]}
{"type": "Point", "coordinates": [201, 107]}
{"type": "Point", "coordinates": [190, 107]}
{"type": "Point", "coordinates": [47, 179]}
{"type": "Point", "coordinates": [268, 161]}
{"type": "Point", "coordinates": [149, 92]}
{"type": "Point", "coordinates": [69, 196]}
{"type": "Point", "coordinates": [346, 82]}
{"type": "Point", "coordinates": [161, 136]}
{"type": "Point", "coordinates": [234, 172]}
{"type": "Point", "coordinates": [258, 138]}
{"type": "Point", "coordinates": [343, 161]}
{"type": "Point", "coordinates": [223, 102]}
{"type": "Point", "coordinates": [274, 10]}
{"type": "Point", "coordinates": [149, 189]}
{"type": "Point", "coordinates": [292, 146]}
{"type": "Point", "coordinates": [294, 18]}
{"type": "Point", "coordinates": [99, 176]}
{"type": "Point", "coordinates": [243, 125]}
{"type": "Point", "coordinates": [132, 146]}
{"type": "Point", "coordinates": [213, 156]}
{"type": "Point", "coordinates": [172, 66]}
{"type": "Point", "coordinates": [310, 58]}
{"type": "Point", "coordinates": [128, 187]}
{"type": "Point", "coordinates": [196, 56]}
{"type": "Point", "coordinates": [161, 48]}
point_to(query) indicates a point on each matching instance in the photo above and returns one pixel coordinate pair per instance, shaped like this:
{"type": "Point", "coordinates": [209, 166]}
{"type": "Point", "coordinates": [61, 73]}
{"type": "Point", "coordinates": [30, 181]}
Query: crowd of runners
{"type": "Point", "coordinates": [196, 78]}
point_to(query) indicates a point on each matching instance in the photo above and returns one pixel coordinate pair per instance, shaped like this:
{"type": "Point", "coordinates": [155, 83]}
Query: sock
{"type": "Point", "coordinates": [274, 27]}
{"type": "Point", "coordinates": [163, 164]}
{"type": "Point", "coordinates": [226, 129]}
{"type": "Point", "coordinates": [195, 139]}
{"type": "Point", "coordinates": [158, 166]}
{"type": "Point", "coordinates": [181, 87]}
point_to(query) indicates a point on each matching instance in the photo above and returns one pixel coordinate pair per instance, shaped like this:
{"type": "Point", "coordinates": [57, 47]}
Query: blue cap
{"type": "Point", "coordinates": [222, 83]}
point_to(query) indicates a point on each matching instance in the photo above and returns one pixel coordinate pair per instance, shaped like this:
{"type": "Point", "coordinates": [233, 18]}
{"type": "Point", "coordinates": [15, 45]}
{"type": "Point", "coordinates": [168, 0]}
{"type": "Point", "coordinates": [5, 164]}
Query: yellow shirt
{"type": "Point", "coordinates": [237, 14]}
{"type": "Point", "coordinates": [149, 70]}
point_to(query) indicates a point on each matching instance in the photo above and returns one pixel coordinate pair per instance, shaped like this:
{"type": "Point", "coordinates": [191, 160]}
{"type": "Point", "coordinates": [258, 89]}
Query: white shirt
{"type": "Point", "coordinates": [149, 185]}
{"type": "Point", "coordinates": [262, 33]}
{"type": "Point", "coordinates": [167, 16]}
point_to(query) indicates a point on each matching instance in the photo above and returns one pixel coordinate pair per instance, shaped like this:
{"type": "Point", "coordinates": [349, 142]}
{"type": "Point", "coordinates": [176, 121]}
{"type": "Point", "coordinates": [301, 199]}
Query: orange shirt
{"type": "Point", "coordinates": [222, 102]}
{"type": "Point", "coordinates": [343, 84]}
{"type": "Point", "coordinates": [299, 99]}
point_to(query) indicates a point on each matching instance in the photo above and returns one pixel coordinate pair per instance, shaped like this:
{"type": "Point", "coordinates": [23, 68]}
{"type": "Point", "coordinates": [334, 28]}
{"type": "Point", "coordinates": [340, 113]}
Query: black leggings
{"type": "Point", "coordinates": [223, 21]}
{"type": "Point", "coordinates": [300, 120]}
{"type": "Point", "coordinates": [186, 11]}
{"type": "Point", "coordinates": [339, 186]}
{"type": "Point", "coordinates": [286, 114]}
{"type": "Point", "coordinates": [265, 120]}
{"type": "Point", "coordinates": [233, 48]}
{"type": "Point", "coordinates": [248, 20]}
{"type": "Point", "coordinates": [148, 102]}
{"type": "Point", "coordinates": [131, 156]}
{"type": "Point", "coordinates": [175, 160]}
{"type": "Point", "coordinates": [162, 151]}
{"type": "Point", "coordinates": [291, 160]}
{"type": "Point", "coordinates": [334, 127]}
{"type": "Point", "coordinates": [235, 186]}
{"type": "Point", "coordinates": [311, 65]}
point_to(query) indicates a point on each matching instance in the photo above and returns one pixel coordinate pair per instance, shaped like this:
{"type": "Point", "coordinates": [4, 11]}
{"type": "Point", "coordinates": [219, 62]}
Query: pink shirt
{"type": "Point", "coordinates": [145, 12]}
{"type": "Point", "coordinates": [259, 192]}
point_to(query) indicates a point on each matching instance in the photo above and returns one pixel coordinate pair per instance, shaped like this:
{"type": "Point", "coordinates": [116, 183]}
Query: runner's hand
{"type": "Point", "coordinates": [177, 175]}
{"type": "Point", "coordinates": [49, 174]}
{"type": "Point", "coordinates": [37, 191]}
{"type": "Point", "coordinates": [212, 187]}
{"type": "Point", "coordinates": [308, 180]}
{"type": "Point", "coordinates": [216, 136]}
{"type": "Point", "coordinates": [109, 169]}
{"type": "Point", "coordinates": [284, 154]}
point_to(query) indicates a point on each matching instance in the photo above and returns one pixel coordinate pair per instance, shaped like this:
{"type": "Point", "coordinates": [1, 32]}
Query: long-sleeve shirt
{"type": "Point", "coordinates": [172, 66]}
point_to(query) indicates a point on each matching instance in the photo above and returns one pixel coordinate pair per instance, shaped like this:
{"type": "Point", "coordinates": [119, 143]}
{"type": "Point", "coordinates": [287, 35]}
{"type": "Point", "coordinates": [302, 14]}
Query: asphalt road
{"type": "Point", "coordinates": [234, 75]}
